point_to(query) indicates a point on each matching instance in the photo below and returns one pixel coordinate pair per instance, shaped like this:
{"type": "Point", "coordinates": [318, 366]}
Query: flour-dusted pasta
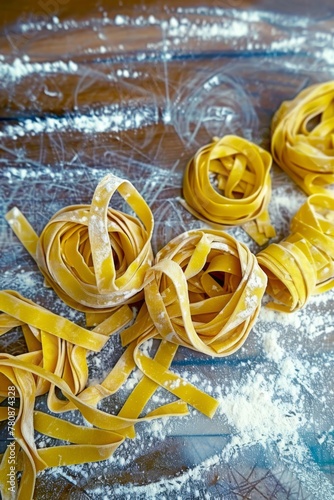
{"type": "Point", "coordinates": [56, 358]}
{"type": "Point", "coordinates": [227, 183]}
{"type": "Point", "coordinates": [303, 264]}
{"type": "Point", "coordinates": [302, 138]}
{"type": "Point", "coordinates": [95, 257]}
{"type": "Point", "coordinates": [204, 292]}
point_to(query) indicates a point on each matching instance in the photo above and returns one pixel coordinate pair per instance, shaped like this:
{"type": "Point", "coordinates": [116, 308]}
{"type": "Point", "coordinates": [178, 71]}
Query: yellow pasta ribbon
{"type": "Point", "coordinates": [227, 183]}
{"type": "Point", "coordinates": [303, 138]}
{"type": "Point", "coordinates": [89, 441]}
{"type": "Point", "coordinates": [55, 343]}
{"type": "Point", "coordinates": [93, 256]}
{"type": "Point", "coordinates": [56, 358]}
{"type": "Point", "coordinates": [302, 265]}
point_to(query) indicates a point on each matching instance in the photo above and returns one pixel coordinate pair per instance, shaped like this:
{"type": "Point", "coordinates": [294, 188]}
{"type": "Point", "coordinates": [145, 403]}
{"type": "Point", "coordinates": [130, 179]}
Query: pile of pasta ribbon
{"type": "Point", "coordinates": [303, 138]}
{"type": "Point", "coordinates": [56, 359]}
{"type": "Point", "coordinates": [93, 256]}
{"type": "Point", "coordinates": [303, 264]}
{"type": "Point", "coordinates": [204, 292]}
{"type": "Point", "coordinates": [227, 183]}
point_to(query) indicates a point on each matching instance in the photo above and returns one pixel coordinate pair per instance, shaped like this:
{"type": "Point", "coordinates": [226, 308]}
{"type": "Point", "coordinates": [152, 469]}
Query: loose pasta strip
{"type": "Point", "coordinates": [227, 183]}
{"type": "Point", "coordinates": [91, 444]}
{"type": "Point", "coordinates": [61, 347]}
{"type": "Point", "coordinates": [93, 256]}
{"type": "Point", "coordinates": [56, 358]}
{"type": "Point", "coordinates": [303, 264]}
{"type": "Point", "coordinates": [303, 138]}
{"type": "Point", "coordinates": [54, 342]}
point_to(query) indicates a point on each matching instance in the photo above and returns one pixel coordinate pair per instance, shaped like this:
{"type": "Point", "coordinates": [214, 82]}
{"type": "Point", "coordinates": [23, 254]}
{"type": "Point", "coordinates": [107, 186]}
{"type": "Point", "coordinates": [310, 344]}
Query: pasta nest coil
{"type": "Point", "coordinates": [95, 257]}
{"type": "Point", "coordinates": [303, 138]}
{"type": "Point", "coordinates": [303, 264]}
{"type": "Point", "coordinates": [227, 183]}
{"type": "Point", "coordinates": [203, 292]}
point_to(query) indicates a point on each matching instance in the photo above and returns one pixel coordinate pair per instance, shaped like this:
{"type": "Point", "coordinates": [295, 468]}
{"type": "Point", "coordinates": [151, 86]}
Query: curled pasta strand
{"type": "Point", "coordinates": [56, 358]}
{"type": "Point", "coordinates": [302, 138]}
{"type": "Point", "coordinates": [302, 265]}
{"type": "Point", "coordinates": [227, 183]}
{"type": "Point", "coordinates": [21, 374]}
{"type": "Point", "coordinates": [95, 257]}
{"type": "Point", "coordinates": [53, 342]}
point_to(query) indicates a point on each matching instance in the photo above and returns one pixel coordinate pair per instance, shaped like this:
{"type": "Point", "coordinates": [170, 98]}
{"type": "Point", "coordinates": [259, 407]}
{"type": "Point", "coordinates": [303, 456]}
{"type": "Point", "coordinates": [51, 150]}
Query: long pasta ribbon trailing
{"type": "Point", "coordinates": [92, 444]}
{"type": "Point", "coordinates": [56, 358]}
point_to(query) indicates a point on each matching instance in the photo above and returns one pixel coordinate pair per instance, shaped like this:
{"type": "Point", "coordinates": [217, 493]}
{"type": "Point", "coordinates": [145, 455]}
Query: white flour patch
{"type": "Point", "coordinates": [111, 119]}
{"type": "Point", "coordinates": [259, 417]}
{"type": "Point", "coordinates": [21, 68]}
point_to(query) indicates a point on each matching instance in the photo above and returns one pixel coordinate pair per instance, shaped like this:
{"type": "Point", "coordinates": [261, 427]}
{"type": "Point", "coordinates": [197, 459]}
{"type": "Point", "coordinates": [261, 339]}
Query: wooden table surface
{"type": "Point", "coordinates": [136, 88]}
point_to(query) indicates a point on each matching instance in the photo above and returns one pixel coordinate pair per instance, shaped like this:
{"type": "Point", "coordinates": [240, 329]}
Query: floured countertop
{"type": "Point", "coordinates": [136, 90]}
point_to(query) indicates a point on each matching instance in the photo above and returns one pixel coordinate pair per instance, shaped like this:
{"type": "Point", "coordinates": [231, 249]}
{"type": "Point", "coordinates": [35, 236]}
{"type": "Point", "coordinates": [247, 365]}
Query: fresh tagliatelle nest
{"type": "Point", "coordinates": [302, 138]}
{"type": "Point", "coordinates": [303, 263]}
{"type": "Point", "coordinates": [227, 183]}
{"type": "Point", "coordinates": [204, 292]}
{"type": "Point", "coordinates": [93, 256]}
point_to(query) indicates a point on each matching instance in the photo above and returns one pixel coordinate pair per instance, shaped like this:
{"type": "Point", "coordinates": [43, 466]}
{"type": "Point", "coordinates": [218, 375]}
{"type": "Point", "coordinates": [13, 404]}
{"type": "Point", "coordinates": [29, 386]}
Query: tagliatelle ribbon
{"type": "Point", "coordinates": [203, 292]}
{"type": "Point", "coordinates": [93, 256]}
{"type": "Point", "coordinates": [303, 138]}
{"type": "Point", "coordinates": [59, 346]}
{"type": "Point", "coordinates": [54, 361]}
{"type": "Point", "coordinates": [21, 374]}
{"type": "Point", "coordinates": [227, 183]}
{"type": "Point", "coordinates": [303, 264]}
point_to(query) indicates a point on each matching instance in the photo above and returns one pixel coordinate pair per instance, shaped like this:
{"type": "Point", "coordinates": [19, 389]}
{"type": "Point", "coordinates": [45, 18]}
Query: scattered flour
{"type": "Point", "coordinates": [259, 417]}
{"type": "Point", "coordinates": [111, 119]}
{"type": "Point", "coordinates": [21, 68]}
{"type": "Point", "coordinates": [271, 347]}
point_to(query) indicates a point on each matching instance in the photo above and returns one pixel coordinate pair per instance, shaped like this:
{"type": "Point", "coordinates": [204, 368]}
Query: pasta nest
{"type": "Point", "coordinates": [96, 257]}
{"type": "Point", "coordinates": [203, 292]}
{"type": "Point", "coordinates": [228, 183]}
{"type": "Point", "coordinates": [302, 138]}
{"type": "Point", "coordinates": [303, 264]}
